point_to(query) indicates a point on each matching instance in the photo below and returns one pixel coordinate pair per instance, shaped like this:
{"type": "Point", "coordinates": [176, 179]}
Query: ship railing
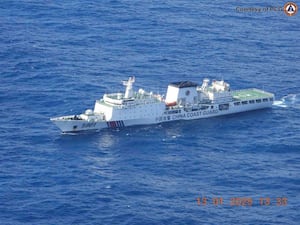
{"type": "Point", "coordinates": [110, 100]}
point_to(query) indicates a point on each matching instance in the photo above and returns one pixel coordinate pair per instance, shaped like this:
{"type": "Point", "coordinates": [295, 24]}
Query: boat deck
{"type": "Point", "coordinates": [249, 94]}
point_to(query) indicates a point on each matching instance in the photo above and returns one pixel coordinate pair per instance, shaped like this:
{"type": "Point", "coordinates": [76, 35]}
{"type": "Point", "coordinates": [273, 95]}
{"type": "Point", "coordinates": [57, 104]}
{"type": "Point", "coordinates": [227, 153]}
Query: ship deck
{"type": "Point", "coordinates": [249, 94]}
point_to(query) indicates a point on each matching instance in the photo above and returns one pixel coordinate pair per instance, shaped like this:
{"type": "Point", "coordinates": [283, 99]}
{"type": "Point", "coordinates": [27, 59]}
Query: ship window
{"type": "Point", "coordinates": [182, 101]}
{"type": "Point", "coordinates": [271, 99]}
{"type": "Point", "coordinates": [244, 102]}
{"type": "Point", "coordinates": [224, 107]}
{"type": "Point", "coordinates": [237, 103]}
{"type": "Point", "coordinates": [251, 101]}
{"type": "Point", "coordinates": [265, 99]}
{"type": "Point", "coordinates": [195, 99]}
{"type": "Point", "coordinates": [258, 100]}
{"type": "Point", "coordinates": [212, 107]}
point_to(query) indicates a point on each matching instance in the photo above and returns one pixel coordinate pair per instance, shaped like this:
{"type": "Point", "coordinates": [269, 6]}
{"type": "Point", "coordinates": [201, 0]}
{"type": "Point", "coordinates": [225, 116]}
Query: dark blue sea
{"type": "Point", "coordinates": [58, 57]}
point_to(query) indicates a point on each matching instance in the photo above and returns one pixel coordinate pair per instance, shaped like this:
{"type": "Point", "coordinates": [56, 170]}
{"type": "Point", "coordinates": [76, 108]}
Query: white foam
{"type": "Point", "coordinates": [279, 104]}
{"type": "Point", "coordinates": [290, 100]}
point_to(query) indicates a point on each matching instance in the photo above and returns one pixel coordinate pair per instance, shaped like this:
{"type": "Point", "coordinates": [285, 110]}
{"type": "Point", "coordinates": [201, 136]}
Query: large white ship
{"type": "Point", "coordinates": [184, 100]}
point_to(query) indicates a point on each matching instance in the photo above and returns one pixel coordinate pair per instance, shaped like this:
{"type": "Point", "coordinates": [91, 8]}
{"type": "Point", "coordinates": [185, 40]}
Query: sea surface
{"type": "Point", "coordinates": [58, 57]}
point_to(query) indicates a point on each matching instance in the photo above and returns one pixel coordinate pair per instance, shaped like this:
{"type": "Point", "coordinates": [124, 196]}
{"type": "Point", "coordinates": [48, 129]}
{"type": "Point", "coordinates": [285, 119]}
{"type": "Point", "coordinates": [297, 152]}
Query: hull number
{"type": "Point", "coordinates": [88, 125]}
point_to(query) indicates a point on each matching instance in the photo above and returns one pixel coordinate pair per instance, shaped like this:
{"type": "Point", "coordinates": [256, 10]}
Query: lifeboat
{"type": "Point", "coordinates": [171, 103]}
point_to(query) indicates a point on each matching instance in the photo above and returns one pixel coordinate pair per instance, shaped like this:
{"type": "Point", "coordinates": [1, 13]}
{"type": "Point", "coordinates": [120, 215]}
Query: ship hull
{"type": "Point", "coordinates": [167, 116]}
{"type": "Point", "coordinates": [212, 112]}
{"type": "Point", "coordinates": [78, 125]}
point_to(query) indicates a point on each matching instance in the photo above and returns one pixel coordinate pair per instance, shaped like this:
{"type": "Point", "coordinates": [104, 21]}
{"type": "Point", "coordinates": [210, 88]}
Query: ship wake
{"type": "Point", "coordinates": [289, 101]}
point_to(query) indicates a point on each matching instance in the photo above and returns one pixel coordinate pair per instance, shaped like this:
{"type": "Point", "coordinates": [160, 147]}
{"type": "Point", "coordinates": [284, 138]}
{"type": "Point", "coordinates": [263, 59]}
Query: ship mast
{"type": "Point", "coordinates": [128, 84]}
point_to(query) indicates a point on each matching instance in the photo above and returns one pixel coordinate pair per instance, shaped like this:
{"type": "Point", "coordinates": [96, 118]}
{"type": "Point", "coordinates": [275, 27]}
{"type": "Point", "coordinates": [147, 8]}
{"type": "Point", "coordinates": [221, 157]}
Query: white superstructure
{"type": "Point", "coordinates": [184, 100]}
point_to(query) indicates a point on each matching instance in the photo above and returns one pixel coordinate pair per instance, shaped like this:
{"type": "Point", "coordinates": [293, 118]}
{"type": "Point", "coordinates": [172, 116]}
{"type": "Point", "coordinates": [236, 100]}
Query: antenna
{"type": "Point", "coordinates": [128, 84]}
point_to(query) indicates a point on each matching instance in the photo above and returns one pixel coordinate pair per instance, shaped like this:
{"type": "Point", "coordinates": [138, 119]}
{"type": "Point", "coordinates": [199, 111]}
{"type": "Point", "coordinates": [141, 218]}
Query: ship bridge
{"type": "Point", "coordinates": [130, 104]}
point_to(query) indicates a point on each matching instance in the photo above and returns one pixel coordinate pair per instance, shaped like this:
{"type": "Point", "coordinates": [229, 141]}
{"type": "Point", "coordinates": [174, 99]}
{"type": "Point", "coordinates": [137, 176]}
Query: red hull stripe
{"type": "Point", "coordinates": [114, 124]}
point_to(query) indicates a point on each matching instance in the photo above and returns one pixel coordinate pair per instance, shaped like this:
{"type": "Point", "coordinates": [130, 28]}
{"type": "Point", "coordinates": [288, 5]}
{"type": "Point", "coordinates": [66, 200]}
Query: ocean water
{"type": "Point", "coordinates": [58, 57]}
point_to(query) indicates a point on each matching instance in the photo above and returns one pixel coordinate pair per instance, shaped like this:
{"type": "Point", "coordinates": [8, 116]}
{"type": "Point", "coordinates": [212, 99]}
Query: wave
{"type": "Point", "coordinates": [291, 101]}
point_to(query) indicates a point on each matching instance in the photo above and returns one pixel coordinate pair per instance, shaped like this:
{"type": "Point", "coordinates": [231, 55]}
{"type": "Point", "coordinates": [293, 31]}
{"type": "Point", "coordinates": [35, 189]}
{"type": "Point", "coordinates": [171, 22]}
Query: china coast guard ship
{"type": "Point", "coordinates": [184, 100]}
